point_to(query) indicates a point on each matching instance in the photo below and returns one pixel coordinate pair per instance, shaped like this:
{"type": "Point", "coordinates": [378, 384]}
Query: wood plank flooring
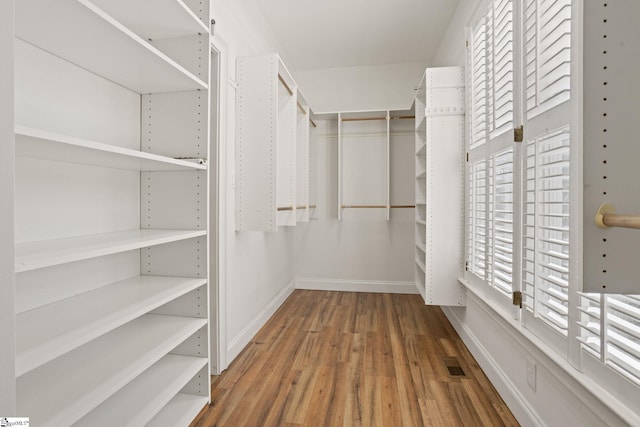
{"type": "Point", "coordinates": [355, 359]}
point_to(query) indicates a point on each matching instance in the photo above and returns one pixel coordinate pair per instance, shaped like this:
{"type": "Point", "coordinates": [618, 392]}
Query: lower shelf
{"type": "Point", "coordinates": [142, 399]}
{"type": "Point", "coordinates": [180, 411]}
{"type": "Point", "coordinates": [67, 388]}
{"type": "Point", "coordinates": [420, 264]}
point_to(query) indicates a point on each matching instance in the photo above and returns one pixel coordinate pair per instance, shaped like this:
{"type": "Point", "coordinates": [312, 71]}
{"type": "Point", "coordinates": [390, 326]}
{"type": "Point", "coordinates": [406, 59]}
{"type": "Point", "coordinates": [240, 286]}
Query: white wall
{"type": "Point", "coordinates": [563, 395]}
{"type": "Point", "coordinates": [365, 88]}
{"type": "Point", "coordinates": [259, 267]}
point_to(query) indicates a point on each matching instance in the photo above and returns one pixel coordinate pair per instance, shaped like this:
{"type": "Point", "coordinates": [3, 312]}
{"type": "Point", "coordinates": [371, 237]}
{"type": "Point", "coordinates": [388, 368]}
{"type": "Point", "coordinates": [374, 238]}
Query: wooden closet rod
{"type": "Point", "coordinates": [301, 108]}
{"type": "Point", "coordinates": [606, 217]}
{"type": "Point", "coordinates": [286, 208]}
{"type": "Point", "coordinates": [363, 119]}
{"type": "Point", "coordinates": [286, 86]}
{"type": "Point", "coordinates": [377, 206]}
{"type": "Point", "coordinates": [313, 123]}
{"type": "Point", "coordinates": [306, 207]}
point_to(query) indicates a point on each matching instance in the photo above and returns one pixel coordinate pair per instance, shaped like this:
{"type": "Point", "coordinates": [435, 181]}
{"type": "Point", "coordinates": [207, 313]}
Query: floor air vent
{"type": "Point", "coordinates": [454, 368]}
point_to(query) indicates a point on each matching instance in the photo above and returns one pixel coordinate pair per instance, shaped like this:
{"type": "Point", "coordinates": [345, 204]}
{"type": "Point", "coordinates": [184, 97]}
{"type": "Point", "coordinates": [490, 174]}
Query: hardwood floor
{"type": "Point", "coordinates": [355, 359]}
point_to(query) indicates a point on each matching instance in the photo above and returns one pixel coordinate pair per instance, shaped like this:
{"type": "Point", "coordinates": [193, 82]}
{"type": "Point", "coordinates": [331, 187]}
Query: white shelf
{"type": "Point", "coordinates": [420, 264]}
{"type": "Point", "coordinates": [34, 255]}
{"type": "Point", "coordinates": [163, 19]}
{"type": "Point", "coordinates": [419, 221]}
{"type": "Point", "coordinates": [182, 409]}
{"type": "Point", "coordinates": [64, 390]}
{"type": "Point", "coordinates": [422, 150]}
{"type": "Point", "coordinates": [422, 247]}
{"type": "Point", "coordinates": [143, 398]}
{"type": "Point", "coordinates": [36, 143]}
{"type": "Point", "coordinates": [83, 34]}
{"type": "Point", "coordinates": [55, 329]}
{"type": "Point", "coordinates": [421, 174]}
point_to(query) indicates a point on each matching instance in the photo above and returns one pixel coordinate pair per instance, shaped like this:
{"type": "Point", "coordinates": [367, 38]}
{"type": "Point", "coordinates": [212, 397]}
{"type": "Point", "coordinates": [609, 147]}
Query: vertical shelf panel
{"type": "Point", "coordinates": [610, 148]}
{"type": "Point", "coordinates": [302, 164]}
{"type": "Point", "coordinates": [266, 105]}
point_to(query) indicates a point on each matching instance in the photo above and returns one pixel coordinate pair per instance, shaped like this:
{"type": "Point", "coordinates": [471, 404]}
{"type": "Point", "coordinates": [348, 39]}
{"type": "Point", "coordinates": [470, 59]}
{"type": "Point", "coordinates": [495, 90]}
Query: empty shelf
{"type": "Point", "coordinates": [42, 144]}
{"type": "Point", "coordinates": [55, 329]}
{"type": "Point", "coordinates": [154, 19]}
{"type": "Point", "coordinates": [181, 411]}
{"type": "Point", "coordinates": [420, 264]}
{"type": "Point", "coordinates": [67, 388]}
{"type": "Point", "coordinates": [34, 255]}
{"type": "Point", "coordinates": [422, 247]}
{"type": "Point", "coordinates": [83, 34]}
{"type": "Point", "coordinates": [143, 398]}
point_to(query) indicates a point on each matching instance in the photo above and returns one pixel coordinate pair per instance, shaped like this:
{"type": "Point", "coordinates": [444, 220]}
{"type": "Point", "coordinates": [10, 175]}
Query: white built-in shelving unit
{"type": "Point", "coordinates": [369, 142]}
{"type": "Point", "coordinates": [111, 200]}
{"type": "Point", "coordinates": [439, 185]}
{"type": "Point", "coordinates": [272, 146]}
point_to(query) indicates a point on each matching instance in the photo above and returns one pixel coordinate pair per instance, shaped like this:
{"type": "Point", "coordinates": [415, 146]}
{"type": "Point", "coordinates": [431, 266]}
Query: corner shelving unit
{"type": "Point", "coordinates": [111, 239]}
{"type": "Point", "coordinates": [439, 190]}
{"type": "Point", "coordinates": [266, 158]}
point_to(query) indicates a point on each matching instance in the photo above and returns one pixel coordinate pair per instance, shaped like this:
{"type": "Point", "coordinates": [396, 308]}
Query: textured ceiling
{"type": "Point", "coordinates": [346, 33]}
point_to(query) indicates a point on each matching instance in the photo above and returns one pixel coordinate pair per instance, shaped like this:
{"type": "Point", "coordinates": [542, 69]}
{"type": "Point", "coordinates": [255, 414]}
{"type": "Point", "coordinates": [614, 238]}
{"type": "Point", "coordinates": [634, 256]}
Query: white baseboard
{"type": "Point", "coordinates": [240, 341]}
{"type": "Point", "coordinates": [517, 403]}
{"type": "Point", "coordinates": [375, 286]}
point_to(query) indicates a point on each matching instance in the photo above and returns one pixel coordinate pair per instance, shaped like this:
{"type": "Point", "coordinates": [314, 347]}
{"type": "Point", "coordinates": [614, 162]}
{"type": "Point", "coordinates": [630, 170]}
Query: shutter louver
{"type": "Point", "coordinates": [502, 215]}
{"type": "Point", "coordinates": [500, 66]}
{"type": "Point", "coordinates": [546, 225]}
{"type": "Point", "coordinates": [479, 88]}
{"type": "Point", "coordinates": [547, 54]}
{"type": "Point", "coordinates": [478, 218]}
{"type": "Point", "coordinates": [623, 335]}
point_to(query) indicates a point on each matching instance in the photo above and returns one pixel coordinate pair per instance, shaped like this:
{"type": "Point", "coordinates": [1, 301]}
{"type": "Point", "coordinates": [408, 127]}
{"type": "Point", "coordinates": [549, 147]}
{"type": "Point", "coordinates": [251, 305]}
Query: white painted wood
{"type": "Point", "coordinates": [181, 410]}
{"type": "Point", "coordinates": [266, 144]}
{"type": "Point", "coordinates": [609, 128]}
{"type": "Point", "coordinates": [163, 19]}
{"type": "Point", "coordinates": [83, 34]}
{"type": "Point", "coordinates": [302, 161]}
{"type": "Point", "coordinates": [50, 331]}
{"type": "Point", "coordinates": [47, 253]}
{"type": "Point", "coordinates": [189, 51]}
{"type": "Point", "coordinates": [142, 399]}
{"type": "Point", "coordinates": [41, 144]}
{"type": "Point", "coordinates": [57, 96]}
{"type": "Point", "coordinates": [443, 187]}
{"type": "Point", "coordinates": [64, 390]}
{"type": "Point", "coordinates": [7, 277]}
{"type": "Point", "coordinates": [376, 286]}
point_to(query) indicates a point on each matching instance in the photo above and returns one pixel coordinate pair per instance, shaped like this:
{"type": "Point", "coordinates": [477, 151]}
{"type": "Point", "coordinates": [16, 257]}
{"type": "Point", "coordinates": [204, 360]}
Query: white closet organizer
{"type": "Point", "coordinates": [111, 262]}
{"type": "Point", "coordinates": [303, 122]}
{"type": "Point", "coordinates": [313, 166]}
{"type": "Point", "coordinates": [365, 145]}
{"type": "Point", "coordinates": [439, 190]}
{"type": "Point", "coordinates": [266, 137]}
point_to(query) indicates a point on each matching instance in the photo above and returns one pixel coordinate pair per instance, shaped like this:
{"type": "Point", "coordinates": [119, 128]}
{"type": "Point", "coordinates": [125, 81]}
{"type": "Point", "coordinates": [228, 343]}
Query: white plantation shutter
{"type": "Point", "coordinates": [478, 91]}
{"type": "Point", "coordinates": [546, 225]}
{"type": "Point", "coordinates": [500, 66]}
{"type": "Point", "coordinates": [477, 219]}
{"type": "Point", "coordinates": [547, 54]}
{"type": "Point", "coordinates": [502, 222]}
{"type": "Point", "coordinates": [619, 346]}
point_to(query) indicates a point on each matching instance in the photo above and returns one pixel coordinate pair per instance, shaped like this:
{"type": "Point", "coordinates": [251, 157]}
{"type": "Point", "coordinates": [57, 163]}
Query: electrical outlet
{"type": "Point", "coordinates": [531, 373]}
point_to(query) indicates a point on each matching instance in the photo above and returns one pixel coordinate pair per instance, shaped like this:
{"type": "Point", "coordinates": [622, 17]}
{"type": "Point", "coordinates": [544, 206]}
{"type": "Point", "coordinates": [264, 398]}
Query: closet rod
{"type": "Point", "coordinates": [606, 217]}
{"type": "Point", "coordinates": [286, 208]}
{"type": "Point", "coordinates": [378, 206]}
{"type": "Point", "coordinates": [306, 207]}
{"type": "Point", "coordinates": [313, 123]}
{"type": "Point", "coordinates": [301, 108]}
{"type": "Point", "coordinates": [286, 86]}
{"type": "Point", "coordinates": [363, 119]}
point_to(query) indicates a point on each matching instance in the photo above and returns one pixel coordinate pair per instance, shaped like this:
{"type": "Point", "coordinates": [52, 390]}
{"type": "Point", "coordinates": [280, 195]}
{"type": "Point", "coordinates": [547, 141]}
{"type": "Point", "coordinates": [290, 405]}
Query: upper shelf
{"type": "Point", "coordinates": [84, 34]}
{"type": "Point", "coordinates": [47, 253]}
{"type": "Point", "coordinates": [42, 144]}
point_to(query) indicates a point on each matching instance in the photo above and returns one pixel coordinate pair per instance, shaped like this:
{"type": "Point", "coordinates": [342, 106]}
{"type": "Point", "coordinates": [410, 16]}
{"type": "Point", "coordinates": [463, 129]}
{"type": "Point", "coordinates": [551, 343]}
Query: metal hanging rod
{"type": "Point", "coordinates": [286, 86]}
{"type": "Point", "coordinates": [606, 217]}
{"type": "Point", "coordinates": [363, 119]}
{"type": "Point", "coordinates": [377, 206]}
